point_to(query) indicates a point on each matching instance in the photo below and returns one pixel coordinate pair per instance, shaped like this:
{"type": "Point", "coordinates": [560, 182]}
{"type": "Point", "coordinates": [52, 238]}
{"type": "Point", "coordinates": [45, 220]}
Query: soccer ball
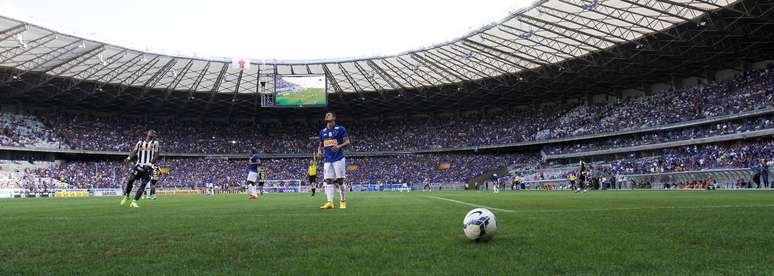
{"type": "Point", "coordinates": [480, 224]}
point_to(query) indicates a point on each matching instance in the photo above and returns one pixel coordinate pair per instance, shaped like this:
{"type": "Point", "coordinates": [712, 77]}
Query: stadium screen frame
{"type": "Point", "coordinates": [277, 98]}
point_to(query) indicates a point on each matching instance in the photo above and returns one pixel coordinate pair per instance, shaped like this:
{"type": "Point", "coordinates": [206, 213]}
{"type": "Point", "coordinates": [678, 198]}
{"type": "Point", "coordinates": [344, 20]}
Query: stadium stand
{"type": "Point", "coordinates": [752, 91]}
{"type": "Point", "coordinates": [710, 130]}
{"type": "Point", "coordinates": [196, 172]}
{"type": "Point", "coordinates": [21, 130]}
{"type": "Point", "coordinates": [736, 106]}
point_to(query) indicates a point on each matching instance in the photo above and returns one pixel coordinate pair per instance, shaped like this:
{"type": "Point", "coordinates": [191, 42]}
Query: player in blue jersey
{"type": "Point", "coordinates": [333, 139]}
{"type": "Point", "coordinates": [252, 174]}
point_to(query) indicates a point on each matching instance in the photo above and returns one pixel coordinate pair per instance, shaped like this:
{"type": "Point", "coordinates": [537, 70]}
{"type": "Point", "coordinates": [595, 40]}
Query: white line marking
{"type": "Point", "coordinates": [472, 204]}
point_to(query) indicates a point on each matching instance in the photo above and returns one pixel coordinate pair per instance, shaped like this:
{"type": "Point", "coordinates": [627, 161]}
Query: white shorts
{"type": "Point", "coordinates": [252, 177]}
{"type": "Point", "coordinates": [335, 170]}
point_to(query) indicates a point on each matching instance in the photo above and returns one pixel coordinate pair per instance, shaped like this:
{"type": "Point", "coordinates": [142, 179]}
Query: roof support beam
{"type": "Point", "coordinates": [350, 79]}
{"type": "Point", "coordinates": [429, 64]}
{"type": "Point", "coordinates": [12, 31]}
{"type": "Point", "coordinates": [442, 52]}
{"type": "Point", "coordinates": [375, 85]}
{"type": "Point", "coordinates": [83, 57]}
{"type": "Point", "coordinates": [215, 88]}
{"type": "Point", "coordinates": [593, 23]}
{"type": "Point", "coordinates": [31, 45]}
{"type": "Point", "coordinates": [396, 71]}
{"type": "Point", "coordinates": [331, 78]}
{"type": "Point", "coordinates": [389, 79]}
{"type": "Point", "coordinates": [143, 69]}
{"type": "Point", "coordinates": [574, 31]}
{"type": "Point", "coordinates": [195, 86]}
{"type": "Point", "coordinates": [173, 86]}
{"type": "Point", "coordinates": [153, 80]}
{"type": "Point", "coordinates": [496, 57]}
{"type": "Point", "coordinates": [258, 88]}
{"type": "Point", "coordinates": [479, 61]}
{"type": "Point", "coordinates": [531, 59]}
{"type": "Point", "coordinates": [91, 69]}
{"type": "Point", "coordinates": [538, 56]}
{"type": "Point", "coordinates": [509, 30]}
{"type": "Point", "coordinates": [236, 92]}
{"type": "Point", "coordinates": [728, 8]}
{"type": "Point", "coordinates": [123, 67]}
{"type": "Point", "coordinates": [429, 60]}
{"type": "Point", "coordinates": [87, 54]}
{"type": "Point", "coordinates": [620, 14]}
{"type": "Point", "coordinates": [658, 10]}
{"type": "Point", "coordinates": [414, 68]}
{"type": "Point", "coordinates": [562, 34]}
{"type": "Point", "coordinates": [46, 57]}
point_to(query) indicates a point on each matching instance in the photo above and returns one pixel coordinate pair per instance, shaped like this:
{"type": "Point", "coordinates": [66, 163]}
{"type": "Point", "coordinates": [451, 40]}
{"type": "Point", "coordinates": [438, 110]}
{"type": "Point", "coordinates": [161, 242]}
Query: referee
{"type": "Point", "coordinates": [312, 174]}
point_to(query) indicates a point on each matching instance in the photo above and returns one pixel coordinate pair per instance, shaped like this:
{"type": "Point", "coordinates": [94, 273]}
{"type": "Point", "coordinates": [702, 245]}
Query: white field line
{"type": "Point", "coordinates": [607, 209]}
{"type": "Point", "coordinates": [472, 204]}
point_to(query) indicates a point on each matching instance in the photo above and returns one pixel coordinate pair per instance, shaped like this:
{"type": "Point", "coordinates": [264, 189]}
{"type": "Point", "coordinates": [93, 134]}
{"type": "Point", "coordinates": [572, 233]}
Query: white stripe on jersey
{"type": "Point", "coordinates": [146, 151]}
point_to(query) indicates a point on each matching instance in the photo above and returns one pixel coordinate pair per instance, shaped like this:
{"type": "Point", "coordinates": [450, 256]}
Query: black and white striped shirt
{"type": "Point", "coordinates": [146, 151]}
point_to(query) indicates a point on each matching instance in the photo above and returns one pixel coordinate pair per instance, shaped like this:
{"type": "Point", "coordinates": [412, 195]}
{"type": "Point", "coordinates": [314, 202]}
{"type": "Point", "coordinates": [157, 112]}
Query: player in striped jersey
{"type": "Point", "coordinates": [155, 175]}
{"type": "Point", "coordinates": [146, 154]}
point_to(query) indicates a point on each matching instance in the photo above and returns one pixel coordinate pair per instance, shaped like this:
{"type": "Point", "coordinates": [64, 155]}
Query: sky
{"type": "Point", "coordinates": [265, 30]}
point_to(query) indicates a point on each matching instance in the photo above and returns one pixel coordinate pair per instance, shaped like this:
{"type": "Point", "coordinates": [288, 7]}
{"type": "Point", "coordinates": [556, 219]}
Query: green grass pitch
{"type": "Point", "coordinates": [646, 233]}
{"type": "Point", "coordinates": [308, 96]}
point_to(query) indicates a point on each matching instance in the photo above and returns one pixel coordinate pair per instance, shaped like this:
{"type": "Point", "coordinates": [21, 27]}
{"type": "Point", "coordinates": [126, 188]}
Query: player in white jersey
{"type": "Point", "coordinates": [145, 154]}
{"type": "Point", "coordinates": [210, 189]}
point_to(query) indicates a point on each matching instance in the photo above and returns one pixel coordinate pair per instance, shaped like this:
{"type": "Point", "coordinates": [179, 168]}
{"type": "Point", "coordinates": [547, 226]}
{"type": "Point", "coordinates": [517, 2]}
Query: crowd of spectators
{"type": "Point", "coordinates": [190, 172]}
{"type": "Point", "coordinates": [738, 154]}
{"type": "Point", "coordinates": [703, 131]}
{"type": "Point", "coordinates": [20, 130]}
{"type": "Point", "coordinates": [413, 169]}
{"type": "Point", "coordinates": [750, 91]}
{"type": "Point", "coordinates": [110, 133]}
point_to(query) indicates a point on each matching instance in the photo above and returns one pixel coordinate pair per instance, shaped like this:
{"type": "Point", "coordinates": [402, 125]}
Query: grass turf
{"type": "Point", "coordinates": [669, 233]}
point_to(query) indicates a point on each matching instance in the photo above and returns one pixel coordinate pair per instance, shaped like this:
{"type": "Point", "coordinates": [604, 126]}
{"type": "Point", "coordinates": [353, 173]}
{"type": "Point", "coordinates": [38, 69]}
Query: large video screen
{"type": "Point", "coordinates": [300, 91]}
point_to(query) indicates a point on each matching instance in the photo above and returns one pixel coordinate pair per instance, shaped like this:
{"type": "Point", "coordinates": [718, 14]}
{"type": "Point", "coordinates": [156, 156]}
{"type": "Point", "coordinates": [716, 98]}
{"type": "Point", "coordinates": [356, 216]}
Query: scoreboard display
{"type": "Point", "coordinates": [300, 91]}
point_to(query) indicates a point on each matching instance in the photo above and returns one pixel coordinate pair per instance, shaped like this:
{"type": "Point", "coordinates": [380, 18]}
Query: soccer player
{"type": "Point", "coordinates": [210, 189]}
{"type": "Point", "coordinates": [583, 178]}
{"type": "Point", "coordinates": [252, 174]}
{"type": "Point", "coordinates": [516, 183]}
{"type": "Point", "coordinates": [155, 175]}
{"type": "Point", "coordinates": [495, 183]}
{"type": "Point", "coordinates": [146, 153]}
{"type": "Point", "coordinates": [572, 179]}
{"type": "Point", "coordinates": [312, 174]}
{"type": "Point", "coordinates": [333, 139]}
{"type": "Point", "coordinates": [262, 176]}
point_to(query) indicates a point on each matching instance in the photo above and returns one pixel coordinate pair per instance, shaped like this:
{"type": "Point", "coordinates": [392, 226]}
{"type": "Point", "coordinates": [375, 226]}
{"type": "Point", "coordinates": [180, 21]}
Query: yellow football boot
{"type": "Point", "coordinates": [124, 200]}
{"type": "Point", "coordinates": [327, 205]}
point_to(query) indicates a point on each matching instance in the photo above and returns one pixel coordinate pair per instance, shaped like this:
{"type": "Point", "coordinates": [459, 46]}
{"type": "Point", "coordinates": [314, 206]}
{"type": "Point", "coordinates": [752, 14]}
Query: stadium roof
{"type": "Point", "coordinates": [546, 33]}
{"type": "Point", "coordinates": [596, 48]}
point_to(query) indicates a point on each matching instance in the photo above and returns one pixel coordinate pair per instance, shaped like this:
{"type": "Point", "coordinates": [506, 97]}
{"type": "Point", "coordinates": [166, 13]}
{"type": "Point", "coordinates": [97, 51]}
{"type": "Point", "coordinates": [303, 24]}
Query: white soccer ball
{"type": "Point", "coordinates": [480, 224]}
